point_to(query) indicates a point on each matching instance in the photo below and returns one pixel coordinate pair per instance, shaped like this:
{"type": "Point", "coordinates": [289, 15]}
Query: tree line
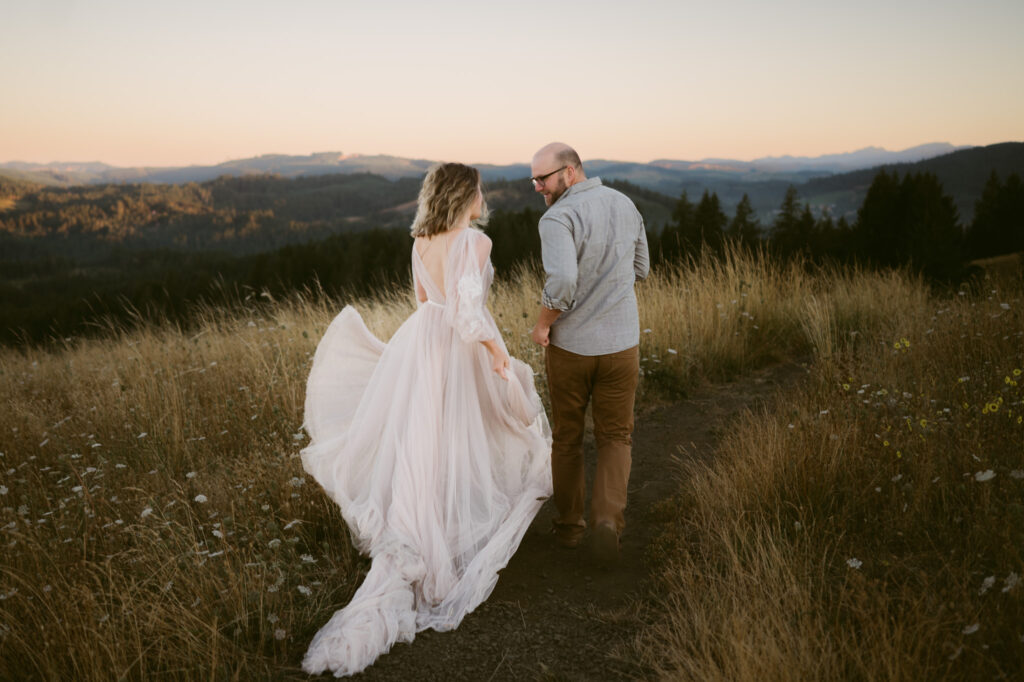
{"type": "Point", "coordinates": [907, 221]}
{"type": "Point", "coordinates": [50, 298]}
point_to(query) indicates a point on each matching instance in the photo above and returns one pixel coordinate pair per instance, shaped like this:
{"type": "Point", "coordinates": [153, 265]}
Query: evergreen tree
{"type": "Point", "coordinates": [787, 225]}
{"type": "Point", "coordinates": [709, 223]}
{"type": "Point", "coordinates": [673, 244]}
{"type": "Point", "coordinates": [913, 222]}
{"type": "Point", "coordinates": [998, 225]}
{"type": "Point", "coordinates": [744, 226]}
{"type": "Point", "coordinates": [877, 237]}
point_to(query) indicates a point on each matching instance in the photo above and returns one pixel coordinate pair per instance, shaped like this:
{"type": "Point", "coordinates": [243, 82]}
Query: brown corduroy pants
{"type": "Point", "coordinates": [611, 381]}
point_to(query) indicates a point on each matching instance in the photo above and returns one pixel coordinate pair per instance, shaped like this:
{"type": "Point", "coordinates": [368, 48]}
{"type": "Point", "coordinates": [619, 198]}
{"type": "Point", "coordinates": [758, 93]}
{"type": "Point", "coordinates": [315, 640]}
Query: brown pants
{"type": "Point", "coordinates": [611, 381]}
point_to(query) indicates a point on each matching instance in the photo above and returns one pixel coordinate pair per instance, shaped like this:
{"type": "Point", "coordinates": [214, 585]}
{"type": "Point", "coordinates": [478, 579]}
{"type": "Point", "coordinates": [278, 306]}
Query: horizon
{"type": "Point", "coordinates": [351, 155]}
{"type": "Point", "coordinates": [135, 85]}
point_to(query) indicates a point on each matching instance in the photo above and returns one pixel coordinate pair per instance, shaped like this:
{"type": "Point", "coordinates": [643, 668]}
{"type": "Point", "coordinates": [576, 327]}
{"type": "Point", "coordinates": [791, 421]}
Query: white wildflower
{"type": "Point", "coordinates": [146, 512]}
{"type": "Point", "coordinates": [305, 591]}
{"type": "Point", "coordinates": [120, 466]}
{"type": "Point", "coordinates": [308, 559]}
{"type": "Point", "coordinates": [983, 476]}
{"type": "Point", "coordinates": [272, 618]}
{"type": "Point", "coordinates": [274, 543]}
{"type": "Point", "coordinates": [296, 482]}
{"type": "Point", "coordinates": [200, 498]}
{"type": "Point", "coordinates": [854, 563]}
{"type": "Point", "coordinates": [672, 351]}
{"type": "Point", "coordinates": [298, 436]}
{"type": "Point", "coordinates": [279, 634]}
{"type": "Point", "coordinates": [1017, 473]}
{"type": "Point", "coordinates": [1011, 582]}
{"type": "Point", "coordinates": [3, 490]}
{"type": "Point", "coordinates": [190, 474]}
{"type": "Point", "coordinates": [896, 478]}
{"type": "Point", "coordinates": [218, 534]}
{"type": "Point", "coordinates": [291, 523]}
{"type": "Point", "coordinates": [987, 584]}
{"type": "Point", "coordinates": [142, 435]}
{"type": "Point", "coordinates": [971, 629]}
{"type": "Point", "coordinates": [1004, 306]}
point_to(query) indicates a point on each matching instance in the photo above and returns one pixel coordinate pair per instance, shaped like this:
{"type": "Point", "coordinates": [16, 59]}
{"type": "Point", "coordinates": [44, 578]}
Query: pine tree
{"type": "Point", "coordinates": [910, 222]}
{"type": "Point", "coordinates": [786, 227]}
{"type": "Point", "coordinates": [744, 226]}
{"type": "Point", "coordinates": [673, 240]}
{"type": "Point", "coordinates": [709, 223]}
{"type": "Point", "coordinates": [998, 225]}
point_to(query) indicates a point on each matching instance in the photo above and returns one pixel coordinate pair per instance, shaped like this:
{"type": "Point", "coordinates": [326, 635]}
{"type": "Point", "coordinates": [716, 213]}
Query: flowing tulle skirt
{"type": "Point", "coordinates": [438, 466]}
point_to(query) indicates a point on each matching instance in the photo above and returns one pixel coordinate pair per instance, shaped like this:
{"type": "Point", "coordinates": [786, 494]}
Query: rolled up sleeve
{"type": "Point", "coordinates": [558, 253]}
{"type": "Point", "coordinates": [642, 257]}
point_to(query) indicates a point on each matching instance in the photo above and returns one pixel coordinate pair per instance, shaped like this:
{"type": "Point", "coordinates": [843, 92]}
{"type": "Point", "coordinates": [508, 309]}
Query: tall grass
{"type": "Point", "coordinates": [155, 517]}
{"type": "Point", "coordinates": [871, 526]}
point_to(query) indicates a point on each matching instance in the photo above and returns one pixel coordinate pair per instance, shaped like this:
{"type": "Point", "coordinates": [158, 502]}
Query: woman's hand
{"type": "Point", "coordinates": [499, 359]}
{"type": "Point", "coordinates": [499, 363]}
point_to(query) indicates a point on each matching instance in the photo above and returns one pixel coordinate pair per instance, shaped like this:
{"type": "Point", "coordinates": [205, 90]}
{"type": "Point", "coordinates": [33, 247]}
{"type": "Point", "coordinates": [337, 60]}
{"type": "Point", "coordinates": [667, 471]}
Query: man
{"type": "Point", "coordinates": [594, 247]}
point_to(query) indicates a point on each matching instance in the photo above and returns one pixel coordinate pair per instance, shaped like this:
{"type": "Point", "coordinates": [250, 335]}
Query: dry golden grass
{"type": "Point", "coordinates": [156, 520]}
{"type": "Point", "coordinates": [870, 527]}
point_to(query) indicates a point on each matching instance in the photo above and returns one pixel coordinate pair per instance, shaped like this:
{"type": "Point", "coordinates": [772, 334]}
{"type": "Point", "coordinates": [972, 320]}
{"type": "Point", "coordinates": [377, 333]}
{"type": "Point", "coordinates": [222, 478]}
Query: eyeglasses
{"type": "Point", "coordinates": [541, 179]}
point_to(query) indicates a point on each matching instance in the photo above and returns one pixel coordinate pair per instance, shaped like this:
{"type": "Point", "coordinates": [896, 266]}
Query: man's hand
{"type": "Point", "coordinates": [541, 334]}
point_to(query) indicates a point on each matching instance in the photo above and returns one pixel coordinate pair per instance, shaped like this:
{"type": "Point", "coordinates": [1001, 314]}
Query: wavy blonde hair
{"type": "Point", "coordinates": [447, 193]}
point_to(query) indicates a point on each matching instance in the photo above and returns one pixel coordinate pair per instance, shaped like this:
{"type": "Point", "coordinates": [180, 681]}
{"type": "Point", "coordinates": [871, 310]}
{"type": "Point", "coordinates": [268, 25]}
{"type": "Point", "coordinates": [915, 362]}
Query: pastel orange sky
{"type": "Point", "coordinates": [134, 83]}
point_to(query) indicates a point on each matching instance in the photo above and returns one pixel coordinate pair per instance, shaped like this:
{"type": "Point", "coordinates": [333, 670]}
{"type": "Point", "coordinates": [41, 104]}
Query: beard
{"type": "Point", "coordinates": [556, 192]}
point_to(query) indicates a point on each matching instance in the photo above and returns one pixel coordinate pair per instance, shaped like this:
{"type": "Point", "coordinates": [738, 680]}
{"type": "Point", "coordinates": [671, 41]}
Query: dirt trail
{"type": "Point", "coordinates": [556, 615]}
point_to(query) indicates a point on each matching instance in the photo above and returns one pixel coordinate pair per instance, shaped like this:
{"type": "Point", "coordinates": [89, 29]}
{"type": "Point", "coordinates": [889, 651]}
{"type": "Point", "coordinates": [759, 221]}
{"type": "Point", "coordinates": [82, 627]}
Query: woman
{"type": "Point", "coordinates": [434, 445]}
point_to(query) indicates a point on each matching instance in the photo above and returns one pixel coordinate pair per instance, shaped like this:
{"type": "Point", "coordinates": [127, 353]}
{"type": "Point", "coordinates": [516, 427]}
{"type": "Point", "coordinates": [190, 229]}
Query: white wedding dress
{"type": "Point", "coordinates": [438, 464]}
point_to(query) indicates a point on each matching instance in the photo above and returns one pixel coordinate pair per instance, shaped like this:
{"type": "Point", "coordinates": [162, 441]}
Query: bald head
{"type": "Point", "coordinates": [558, 154]}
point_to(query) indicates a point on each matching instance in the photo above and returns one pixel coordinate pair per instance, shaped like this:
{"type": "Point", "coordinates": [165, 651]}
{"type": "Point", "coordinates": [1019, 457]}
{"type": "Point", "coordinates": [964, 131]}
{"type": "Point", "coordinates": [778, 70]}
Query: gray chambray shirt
{"type": "Point", "coordinates": [594, 248]}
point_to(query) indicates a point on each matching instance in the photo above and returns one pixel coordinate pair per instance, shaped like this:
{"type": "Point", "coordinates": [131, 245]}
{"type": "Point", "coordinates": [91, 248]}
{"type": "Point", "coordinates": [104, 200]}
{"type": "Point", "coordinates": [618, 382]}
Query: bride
{"type": "Point", "coordinates": [434, 445]}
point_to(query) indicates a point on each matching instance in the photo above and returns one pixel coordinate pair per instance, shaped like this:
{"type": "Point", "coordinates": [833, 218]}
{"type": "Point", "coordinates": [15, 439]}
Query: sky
{"type": "Point", "coordinates": [134, 83]}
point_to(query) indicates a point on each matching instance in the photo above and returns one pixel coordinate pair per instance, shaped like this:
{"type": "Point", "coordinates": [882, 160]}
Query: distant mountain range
{"type": "Point", "coordinates": [833, 182]}
{"type": "Point", "coordinates": [654, 175]}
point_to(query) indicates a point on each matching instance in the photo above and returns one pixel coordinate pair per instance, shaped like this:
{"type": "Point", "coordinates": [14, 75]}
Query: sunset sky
{"type": "Point", "coordinates": [139, 83]}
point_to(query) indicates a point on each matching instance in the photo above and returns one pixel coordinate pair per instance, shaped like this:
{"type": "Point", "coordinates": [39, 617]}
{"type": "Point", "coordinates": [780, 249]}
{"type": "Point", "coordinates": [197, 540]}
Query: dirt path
{"type": "Point", "coordinates": [554, 614]}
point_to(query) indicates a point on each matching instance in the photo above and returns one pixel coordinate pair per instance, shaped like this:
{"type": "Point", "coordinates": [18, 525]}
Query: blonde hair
{"type": "Point", "coordinates": [447, 193]}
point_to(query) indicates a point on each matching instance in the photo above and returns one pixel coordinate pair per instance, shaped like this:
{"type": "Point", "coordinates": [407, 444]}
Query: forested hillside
{"type": "Point", "coordinates": [72, 256]}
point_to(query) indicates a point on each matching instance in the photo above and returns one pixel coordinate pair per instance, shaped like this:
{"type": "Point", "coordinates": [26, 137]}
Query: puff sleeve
{"type": "Point", "coordinates": [465, 307]}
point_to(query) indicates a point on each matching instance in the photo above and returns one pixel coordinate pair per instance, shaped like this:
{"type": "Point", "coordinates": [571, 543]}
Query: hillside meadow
{"type": "Point", "coordinates": [157, 523]}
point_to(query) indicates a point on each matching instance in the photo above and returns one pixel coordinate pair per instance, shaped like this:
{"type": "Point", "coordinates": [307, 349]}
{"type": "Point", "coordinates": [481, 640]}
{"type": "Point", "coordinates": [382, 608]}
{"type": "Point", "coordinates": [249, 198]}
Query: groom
{"type": "Point", "coordinates": [594, 247]}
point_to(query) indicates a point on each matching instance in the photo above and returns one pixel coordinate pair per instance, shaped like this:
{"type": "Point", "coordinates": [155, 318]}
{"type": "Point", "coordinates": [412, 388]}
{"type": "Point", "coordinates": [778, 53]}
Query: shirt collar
{"type": "Point", "coordinates": [589, 183]}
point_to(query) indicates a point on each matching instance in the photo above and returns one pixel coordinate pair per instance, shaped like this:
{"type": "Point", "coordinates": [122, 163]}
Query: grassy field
{"type": "Point", "coordinates": [156, 521]}
{"type": "Point", "coordinates": [872, 526]}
